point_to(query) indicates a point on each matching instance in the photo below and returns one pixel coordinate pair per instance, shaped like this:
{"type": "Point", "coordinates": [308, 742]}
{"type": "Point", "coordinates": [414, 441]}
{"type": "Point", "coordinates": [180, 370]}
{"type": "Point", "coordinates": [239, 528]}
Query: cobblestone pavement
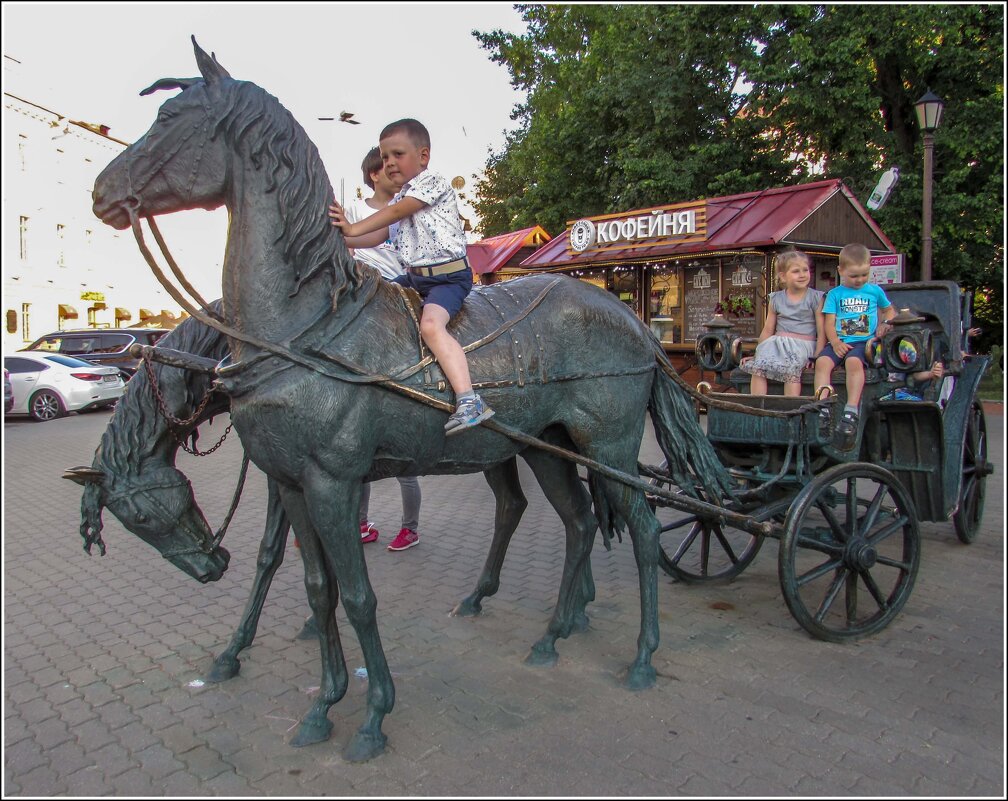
{"type": "Point", "coordinates": [101, 656]}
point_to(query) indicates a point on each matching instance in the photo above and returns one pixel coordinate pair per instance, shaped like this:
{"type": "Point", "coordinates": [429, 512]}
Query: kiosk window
{"type": "Point", "coordinates": [626, 288]}
{"type": "Point", "coordinates": [665, 306]}
{"type": "Point", "coordinates": [596, 277]}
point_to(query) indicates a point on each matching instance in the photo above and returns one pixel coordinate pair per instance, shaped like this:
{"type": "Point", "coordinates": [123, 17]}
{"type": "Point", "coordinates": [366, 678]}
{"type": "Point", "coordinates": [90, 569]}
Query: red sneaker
{"type": "Point", "coordinates": [368, 532]}
{"type": "Point", "coordinates": [406, 538]}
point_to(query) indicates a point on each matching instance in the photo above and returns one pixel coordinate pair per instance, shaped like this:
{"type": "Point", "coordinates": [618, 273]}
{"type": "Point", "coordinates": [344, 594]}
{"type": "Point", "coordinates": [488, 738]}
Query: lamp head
{"type": "Point", "coordinates": [929, 111]}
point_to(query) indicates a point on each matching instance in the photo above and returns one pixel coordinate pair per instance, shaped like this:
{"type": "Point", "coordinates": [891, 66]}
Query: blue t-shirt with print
{"type": "Point", "coordinates": [856, 310]}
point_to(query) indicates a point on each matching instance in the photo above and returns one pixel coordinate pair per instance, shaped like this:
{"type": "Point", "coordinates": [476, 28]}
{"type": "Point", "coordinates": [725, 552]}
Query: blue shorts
{"type": "Point", "coordinates": [857, 351]}
{"type": "Point", "coordinates": [447, 291]}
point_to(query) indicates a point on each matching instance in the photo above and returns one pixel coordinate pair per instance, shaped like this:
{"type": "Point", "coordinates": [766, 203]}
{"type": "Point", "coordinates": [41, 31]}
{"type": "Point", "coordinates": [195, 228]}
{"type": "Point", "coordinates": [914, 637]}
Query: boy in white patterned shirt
{"type": "Point", "coordinates": [424, 223]}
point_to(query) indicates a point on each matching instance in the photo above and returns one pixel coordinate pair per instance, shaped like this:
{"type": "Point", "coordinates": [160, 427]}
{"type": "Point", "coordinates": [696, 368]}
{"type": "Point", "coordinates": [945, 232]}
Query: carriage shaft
{"type": "Point", "coordinates": [174, 358]}
{"type": "Point", "coordinates": [681, 502]}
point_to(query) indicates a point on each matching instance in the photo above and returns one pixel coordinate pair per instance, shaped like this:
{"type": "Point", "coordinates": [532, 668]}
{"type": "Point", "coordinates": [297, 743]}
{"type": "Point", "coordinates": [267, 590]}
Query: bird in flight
{"type": "Point", "coordinates": [345, 116]}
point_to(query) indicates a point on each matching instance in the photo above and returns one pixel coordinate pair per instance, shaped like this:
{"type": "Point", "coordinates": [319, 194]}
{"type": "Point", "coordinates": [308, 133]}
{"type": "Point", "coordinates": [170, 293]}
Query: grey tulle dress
{"type": "Point", "coordinates": [783, 356]}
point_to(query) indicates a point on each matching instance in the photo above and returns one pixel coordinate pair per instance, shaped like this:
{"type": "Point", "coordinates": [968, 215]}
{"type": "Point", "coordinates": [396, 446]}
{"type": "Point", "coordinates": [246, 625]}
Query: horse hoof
{"type": "Point", "coordinates": [310, 732]}
{"type": "Point", "coordinates": [580, 623]}
{"type": "Point", "coordinates": [364, 747]}
{"type": "Point", "coordinates": [467, 608]}
{"type": "Point", "coordinates": [640, 678]}
{"type": "Point", "coordinates": [223, 669]}
{"type": "Point", "coordinates": [540, 656]}
{"type": "Point", "coordinates": [309, 631]}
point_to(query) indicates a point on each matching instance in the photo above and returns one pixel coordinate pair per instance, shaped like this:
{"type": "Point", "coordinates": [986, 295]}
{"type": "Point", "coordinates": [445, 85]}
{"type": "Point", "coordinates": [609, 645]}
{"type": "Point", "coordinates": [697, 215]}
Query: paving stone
{"type": "Point", "coordinates": [93, 734]}
{"type": "Point", "coordinates": [101, 656]}
{"type": "Point", "coordinates": [203, 762]}
{"type": "Point", "coordinates": [179, 738]}
{"type": "Point", "coordinates": [229, 784]}
{"type": "Point", "coordinates": [90, 782]}
{"type": "Point", "coordinates": [158, 762]}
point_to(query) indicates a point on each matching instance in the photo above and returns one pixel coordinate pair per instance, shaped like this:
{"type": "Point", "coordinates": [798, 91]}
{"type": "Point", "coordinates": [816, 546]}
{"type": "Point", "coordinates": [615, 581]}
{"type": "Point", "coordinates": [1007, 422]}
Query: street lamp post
{"type": "Point", "coordinates": [929, 111]}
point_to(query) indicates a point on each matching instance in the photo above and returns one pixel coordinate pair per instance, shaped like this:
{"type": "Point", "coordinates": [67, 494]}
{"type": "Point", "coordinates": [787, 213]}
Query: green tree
{"type": "Point", "coordinates": [631, 106]}
{"type": "Point", "coordinates": [840, 83]}
{"type": "Point", "coordinates": [628, 106]}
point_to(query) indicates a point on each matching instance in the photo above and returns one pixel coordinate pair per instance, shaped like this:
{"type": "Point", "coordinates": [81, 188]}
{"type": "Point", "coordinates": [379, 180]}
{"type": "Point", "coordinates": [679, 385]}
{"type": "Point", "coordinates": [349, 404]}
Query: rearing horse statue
{"type": "Point", "coordinates": [557, 358]}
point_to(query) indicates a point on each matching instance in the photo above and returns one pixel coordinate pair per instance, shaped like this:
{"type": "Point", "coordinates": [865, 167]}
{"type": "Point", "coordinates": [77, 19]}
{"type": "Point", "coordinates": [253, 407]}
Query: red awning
{"type": "Point", "coordinates": [749, 220]}
{"type": "Point", "coordinates": [490, 254]}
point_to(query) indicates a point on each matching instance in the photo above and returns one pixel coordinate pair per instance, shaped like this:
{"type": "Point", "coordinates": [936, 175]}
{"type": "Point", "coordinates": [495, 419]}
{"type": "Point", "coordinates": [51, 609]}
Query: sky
{"type": "Point", "coordinates": [381, 61]}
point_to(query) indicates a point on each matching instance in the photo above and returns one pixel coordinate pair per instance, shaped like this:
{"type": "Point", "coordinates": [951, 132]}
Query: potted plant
{"type": "Point", "coordinates": [735, 305]}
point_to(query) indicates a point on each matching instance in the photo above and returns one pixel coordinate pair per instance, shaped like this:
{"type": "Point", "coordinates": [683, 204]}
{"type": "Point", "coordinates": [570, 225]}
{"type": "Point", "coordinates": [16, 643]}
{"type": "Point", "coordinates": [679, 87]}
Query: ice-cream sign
{"type": "Point", "coordinates": [654, 226]}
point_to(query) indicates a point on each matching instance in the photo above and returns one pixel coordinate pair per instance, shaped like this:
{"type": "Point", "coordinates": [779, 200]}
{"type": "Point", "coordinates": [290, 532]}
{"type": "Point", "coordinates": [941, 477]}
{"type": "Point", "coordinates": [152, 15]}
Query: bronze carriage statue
{"type": "Point", "coordinates": [912, 460]}
{"type": "Point", "coordinates": [327, 382]}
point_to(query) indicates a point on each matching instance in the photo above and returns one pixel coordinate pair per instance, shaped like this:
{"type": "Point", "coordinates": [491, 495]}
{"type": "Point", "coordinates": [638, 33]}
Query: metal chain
{"type": "Point", "coordinates": [196, 452]}
{"type": "Point", "coordinates": [174, 421]}
{"type": "Point", "coordinates": [161, 403]}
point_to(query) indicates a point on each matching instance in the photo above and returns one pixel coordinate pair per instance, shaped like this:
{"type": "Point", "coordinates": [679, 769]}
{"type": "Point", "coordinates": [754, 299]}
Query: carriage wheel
{"type": "Point", "coordinates": [697, 550]}
{"type": "Point", "coordinates": [850, 552]}
{"type": "Point", "coordinates": [976, 468]}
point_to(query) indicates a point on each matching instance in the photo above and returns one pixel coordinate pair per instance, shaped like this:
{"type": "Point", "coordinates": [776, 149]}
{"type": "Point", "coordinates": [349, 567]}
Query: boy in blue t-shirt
{"type": "Point", "coordinates": [853, 313]}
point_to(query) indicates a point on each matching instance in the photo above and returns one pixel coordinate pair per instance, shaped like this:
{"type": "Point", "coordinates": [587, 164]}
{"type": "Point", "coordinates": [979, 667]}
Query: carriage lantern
{"type": "Point", "coordinates": [718, 350]}
{"type": "Point", "coordinates": [908, 346]}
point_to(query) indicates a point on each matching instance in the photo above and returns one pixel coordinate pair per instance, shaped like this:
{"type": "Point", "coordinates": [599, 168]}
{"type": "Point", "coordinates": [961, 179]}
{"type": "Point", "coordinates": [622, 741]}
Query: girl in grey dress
{"type": "Point", "coordinates": [793, 332]}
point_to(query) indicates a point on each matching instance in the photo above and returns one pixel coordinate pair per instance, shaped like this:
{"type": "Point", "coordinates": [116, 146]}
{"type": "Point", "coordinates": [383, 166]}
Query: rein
{"type": "Point", "coordinates": [174, 421]}
{"type": "Point", "coordinates": [357, 375]}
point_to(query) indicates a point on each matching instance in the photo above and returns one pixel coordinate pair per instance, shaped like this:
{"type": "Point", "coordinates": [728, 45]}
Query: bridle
{"type": "Point", "coordinates": [207, 543]}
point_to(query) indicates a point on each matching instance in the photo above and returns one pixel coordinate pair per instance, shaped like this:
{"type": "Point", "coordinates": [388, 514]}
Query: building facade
{"type": "Point", "coordinates": [62, 267]}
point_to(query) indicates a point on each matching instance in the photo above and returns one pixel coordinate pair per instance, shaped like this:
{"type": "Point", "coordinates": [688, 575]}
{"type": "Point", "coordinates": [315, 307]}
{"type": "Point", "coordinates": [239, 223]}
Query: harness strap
{"type": "Point", "coordinates": [687, 504]}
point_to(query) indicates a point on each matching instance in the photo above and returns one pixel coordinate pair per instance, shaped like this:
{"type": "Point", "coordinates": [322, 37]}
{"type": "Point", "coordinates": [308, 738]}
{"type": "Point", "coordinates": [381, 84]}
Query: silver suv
{"type": "Point", "coordinates": [105, 346]}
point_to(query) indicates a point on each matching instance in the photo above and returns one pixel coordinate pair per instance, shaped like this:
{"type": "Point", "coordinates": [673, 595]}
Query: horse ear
{"type": "Point", "coordinates": [84, 475]}
{"type": "Point", "coordinates": [209, 67]}
{"type": "Point", "coordinates": [170, 83]}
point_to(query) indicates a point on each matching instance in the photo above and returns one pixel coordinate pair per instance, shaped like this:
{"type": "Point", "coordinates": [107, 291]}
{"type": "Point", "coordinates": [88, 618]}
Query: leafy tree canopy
{"type": "Point", "coordinates": [640, 105]}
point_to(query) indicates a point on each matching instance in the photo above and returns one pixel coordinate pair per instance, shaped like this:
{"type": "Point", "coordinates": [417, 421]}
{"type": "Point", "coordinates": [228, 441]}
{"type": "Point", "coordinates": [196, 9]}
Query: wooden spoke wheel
{"type": "Point", "coordinates": [698, 550]}
{"type": "Point", "coordinates": [850, 552]}
{"type": "Point", "coordinates": [975, 469]}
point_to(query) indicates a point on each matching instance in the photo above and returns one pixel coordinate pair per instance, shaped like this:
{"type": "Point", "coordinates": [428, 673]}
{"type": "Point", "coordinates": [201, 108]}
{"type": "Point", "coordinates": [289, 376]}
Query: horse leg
{"type": "Point", "coordinates": [333, 506]}
{"type": "Point", "coordinates": [563, 489]}
{"type": "Point", "coordinates": [271, 555]}
{"type": "Point", "coordinates": [574, 488]}
{"type": "Point", "coordinates": [323, 593]}
{"type": "Point", "coordinates": [585, 590]}
{"type": "Point", "coordinates": [644, 530]}
{"type": "Point", "coordinates": [511, 504]}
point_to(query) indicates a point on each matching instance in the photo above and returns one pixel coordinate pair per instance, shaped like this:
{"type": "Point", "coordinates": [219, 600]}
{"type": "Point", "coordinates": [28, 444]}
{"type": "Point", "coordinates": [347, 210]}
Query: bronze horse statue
{"type": "Point", "coordinates": [133, 474]}
{"type": "Point", "coordinates": [322, 386]}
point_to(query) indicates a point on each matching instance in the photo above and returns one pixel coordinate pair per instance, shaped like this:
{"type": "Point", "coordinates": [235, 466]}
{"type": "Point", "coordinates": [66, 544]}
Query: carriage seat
{"type": "Point", "coordinates": [873, 375]}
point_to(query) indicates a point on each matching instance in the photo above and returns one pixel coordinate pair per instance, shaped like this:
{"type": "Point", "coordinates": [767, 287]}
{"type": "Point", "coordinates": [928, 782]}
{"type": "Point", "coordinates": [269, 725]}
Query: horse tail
{"type": "Point", "coordinates": [688, 453]}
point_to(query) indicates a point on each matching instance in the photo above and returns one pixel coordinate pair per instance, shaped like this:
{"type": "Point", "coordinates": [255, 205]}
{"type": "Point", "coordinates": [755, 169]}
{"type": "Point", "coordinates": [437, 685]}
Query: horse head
{"type": "Point", "coordinates": [162, 171]}
{"type": "Point", "coordinates": [160, 508]}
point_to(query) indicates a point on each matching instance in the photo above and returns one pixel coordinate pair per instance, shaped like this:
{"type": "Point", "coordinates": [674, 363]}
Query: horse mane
{"type": "Point", "coordinates": [280, 146]}
{"type": "Point", "coordinates": [137, 425]}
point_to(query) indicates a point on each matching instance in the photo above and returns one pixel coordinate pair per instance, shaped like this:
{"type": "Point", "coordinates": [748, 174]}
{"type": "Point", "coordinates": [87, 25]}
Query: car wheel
{"type": "Point", "coordinates": [46, 405]}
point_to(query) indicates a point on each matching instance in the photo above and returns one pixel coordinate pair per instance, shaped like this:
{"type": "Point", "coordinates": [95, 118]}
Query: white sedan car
{"type": "Point", "coordinates": [48, 385]}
